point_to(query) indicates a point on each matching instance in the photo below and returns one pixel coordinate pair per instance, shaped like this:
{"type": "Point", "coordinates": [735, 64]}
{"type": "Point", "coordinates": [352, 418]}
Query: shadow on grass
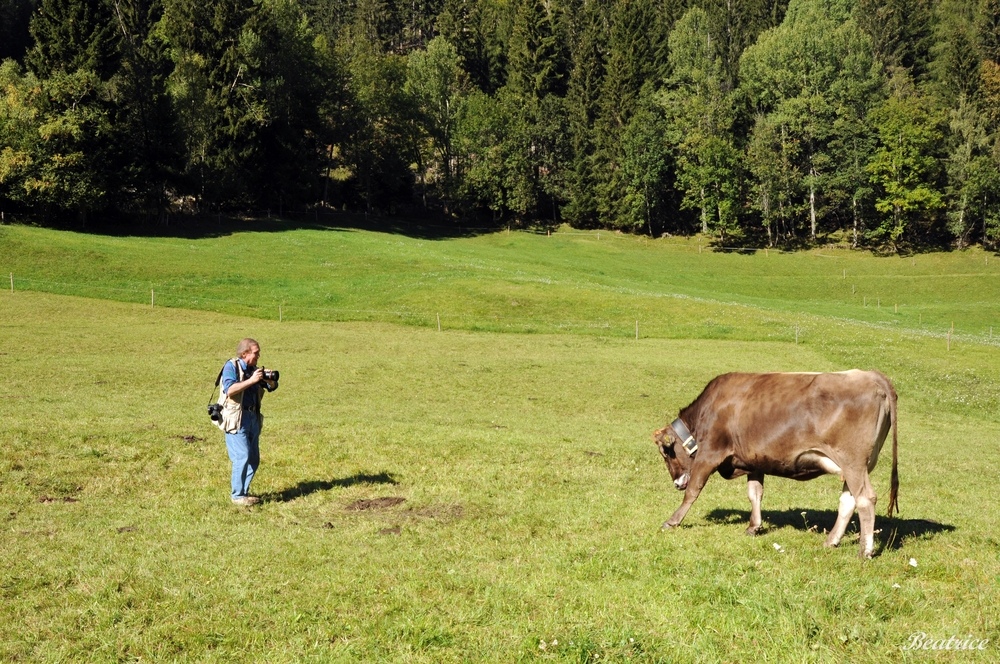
{"type": "Point", "coordinates": [894, 530]}
{"type": "Point", "coordinates": [206, 226]}
{"type": "Point", "coordinates": [312, 486]}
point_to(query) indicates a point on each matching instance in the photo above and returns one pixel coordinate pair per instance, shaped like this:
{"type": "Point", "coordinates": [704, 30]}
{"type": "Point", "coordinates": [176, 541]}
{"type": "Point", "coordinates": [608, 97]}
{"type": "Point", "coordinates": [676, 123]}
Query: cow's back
{"type": "Point", "coordinates": [778, 415]}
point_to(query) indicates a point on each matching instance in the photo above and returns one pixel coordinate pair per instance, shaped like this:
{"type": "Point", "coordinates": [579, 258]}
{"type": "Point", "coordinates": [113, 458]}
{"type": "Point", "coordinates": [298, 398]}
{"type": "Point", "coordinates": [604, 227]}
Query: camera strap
{"type": "Point", "coordinates": [218, 379]}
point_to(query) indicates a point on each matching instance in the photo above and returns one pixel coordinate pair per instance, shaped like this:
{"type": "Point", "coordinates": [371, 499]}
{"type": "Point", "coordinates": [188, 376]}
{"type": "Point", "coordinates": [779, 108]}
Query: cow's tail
{"type": "Point", "coordinates": [894, 479]}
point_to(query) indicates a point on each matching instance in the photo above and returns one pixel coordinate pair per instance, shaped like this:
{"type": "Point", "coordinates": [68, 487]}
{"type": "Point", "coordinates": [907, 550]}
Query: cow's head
{"type": "Point", "coordinates": [674, 455]}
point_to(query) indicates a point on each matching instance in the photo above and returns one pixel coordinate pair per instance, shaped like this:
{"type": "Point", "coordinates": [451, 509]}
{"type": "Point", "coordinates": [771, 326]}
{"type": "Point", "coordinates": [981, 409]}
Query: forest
{"type": "Point", "coordinates": [757, 122]}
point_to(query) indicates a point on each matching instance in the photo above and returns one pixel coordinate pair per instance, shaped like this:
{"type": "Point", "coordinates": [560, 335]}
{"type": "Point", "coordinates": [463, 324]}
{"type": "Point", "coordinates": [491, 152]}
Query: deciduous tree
{"type": "Point", "coordinates": [905, 168]}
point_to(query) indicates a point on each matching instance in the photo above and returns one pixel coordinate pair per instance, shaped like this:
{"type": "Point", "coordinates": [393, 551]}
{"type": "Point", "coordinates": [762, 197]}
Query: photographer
{"type": "Point", "coordinates": [243, 385]}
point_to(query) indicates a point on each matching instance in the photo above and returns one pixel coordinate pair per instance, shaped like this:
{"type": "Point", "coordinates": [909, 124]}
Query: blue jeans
{"type": "Point", "coordinates": [244, 451]}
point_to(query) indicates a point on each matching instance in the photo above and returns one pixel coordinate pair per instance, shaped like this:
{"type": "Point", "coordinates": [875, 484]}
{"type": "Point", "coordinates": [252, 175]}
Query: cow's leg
{"type": "Point", "coordinates": [755, 491]}
{"type": "Point", "coordinates": [866, 517]}
{"type": "Point", "coordinates": [863, 496]}
{"type": "Point", "coordinates": [844, 513]}
{"type": "Point", "coordinates": [694, 487]}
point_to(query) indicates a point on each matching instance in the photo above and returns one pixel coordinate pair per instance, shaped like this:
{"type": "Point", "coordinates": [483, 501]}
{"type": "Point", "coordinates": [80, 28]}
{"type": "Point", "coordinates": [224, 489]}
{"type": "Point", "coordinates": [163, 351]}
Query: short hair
{"type": "Point", "coordinates": [244, 345]}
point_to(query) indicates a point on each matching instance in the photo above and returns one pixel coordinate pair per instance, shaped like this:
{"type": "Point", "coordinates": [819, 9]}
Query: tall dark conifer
{"type": "Point", "coordinates": [289, 78]}
{"type": "Point", "coordinates": [956, 52]}
{"type": "Point", "coordinates": [632, 72]}
{"type": "Point", "coordinates": [536, 146]}
{"type": "Point", "coordinates": [477, 35]}
{"type": "Point", "coordinates": [534, 69]}
{"type": "Point", "coordinates": [583, 108]}
{"type": "Point", "coordinates": [147, 147]}
{"type": "Point", "coordinates": [901, 33]}
{"type": "Point", "coordinates": [70, 35]}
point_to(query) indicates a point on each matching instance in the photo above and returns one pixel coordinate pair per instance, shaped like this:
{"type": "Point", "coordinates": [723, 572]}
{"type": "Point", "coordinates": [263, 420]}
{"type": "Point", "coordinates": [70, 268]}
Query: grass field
{"type": "Point", "coordinates": [476, 493]}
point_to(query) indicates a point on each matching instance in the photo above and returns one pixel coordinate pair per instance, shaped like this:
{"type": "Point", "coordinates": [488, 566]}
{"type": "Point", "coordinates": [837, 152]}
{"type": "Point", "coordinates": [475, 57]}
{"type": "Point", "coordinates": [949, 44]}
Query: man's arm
{"type": "Point", "coordinates": [238, 387]}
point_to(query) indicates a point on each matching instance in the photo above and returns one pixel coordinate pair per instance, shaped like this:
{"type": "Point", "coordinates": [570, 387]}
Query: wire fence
{"type": "Point", "coordinates": [154, 298]}
{"type": "Point", "coordinates": [736, 327]}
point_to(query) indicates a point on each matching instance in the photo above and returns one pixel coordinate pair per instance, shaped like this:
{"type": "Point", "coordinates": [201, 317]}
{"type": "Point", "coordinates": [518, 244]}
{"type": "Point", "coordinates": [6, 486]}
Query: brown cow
{"type": "Point", "coordinates": [797, 425]}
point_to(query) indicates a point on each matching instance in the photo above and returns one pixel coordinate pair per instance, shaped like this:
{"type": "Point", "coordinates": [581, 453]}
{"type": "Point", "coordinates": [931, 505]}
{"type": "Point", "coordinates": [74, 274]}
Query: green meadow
{"type": "Point", "coordinates": [458, 466]}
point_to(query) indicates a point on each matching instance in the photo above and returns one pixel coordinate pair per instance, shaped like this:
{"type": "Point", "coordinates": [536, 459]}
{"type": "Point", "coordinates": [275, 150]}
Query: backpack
{"type": "Point", "coordinates": [215, 407]}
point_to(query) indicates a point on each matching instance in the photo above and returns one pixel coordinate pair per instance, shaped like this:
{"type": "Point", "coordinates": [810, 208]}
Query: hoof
{"type": "Point", "coordinates": [666, 526]}
{"type": "Point", "coordinates": [752, 531]}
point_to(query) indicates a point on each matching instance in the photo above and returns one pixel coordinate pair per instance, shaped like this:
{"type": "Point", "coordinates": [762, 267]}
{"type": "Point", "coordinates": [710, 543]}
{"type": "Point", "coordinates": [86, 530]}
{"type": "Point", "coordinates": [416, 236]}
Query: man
{"type": "Point", "coordinates": [243, 386]}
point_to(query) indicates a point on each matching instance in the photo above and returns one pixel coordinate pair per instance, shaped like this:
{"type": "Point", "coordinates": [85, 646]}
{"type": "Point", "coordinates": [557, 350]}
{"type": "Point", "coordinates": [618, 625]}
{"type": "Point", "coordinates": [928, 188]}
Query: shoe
{"type": "Point", "coordinates": [246, 501]}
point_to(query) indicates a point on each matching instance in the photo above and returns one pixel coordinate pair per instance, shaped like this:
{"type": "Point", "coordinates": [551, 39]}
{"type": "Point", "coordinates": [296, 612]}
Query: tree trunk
{"type": "Point", "coordinates": [961, 225]}
{"type": "Point", "coordinates": [812, 209]}
{"type": "Point", "coordinates": [704, 214]}
{"type": "Point", "coordinates": [854, 212]}
{"type": "Point", "coordinates": [766, 209]}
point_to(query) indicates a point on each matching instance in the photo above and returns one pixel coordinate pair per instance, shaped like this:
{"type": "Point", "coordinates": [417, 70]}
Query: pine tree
{"type": "Point", "coordinates": [583, 109]}
{"type": "Point", "coordinates": [534, 152]}
{"type": "Point", "coordinates": [73, 35]}
{"type": "Point", "coordinates": [478, 33]}
{"type": "Point", "coordinates": [956, 52]}
{"type": "Point", "coordinates": [381, 135]}
{"type": "Point", "coordinates": [146, 146]}
{"type": "Point", "coordinates": [901, 33]}
{"type": "Point", "coordinates": [632, 74]}
{"type": "Point", "coordinates": [418, 19]}
{"type": "Point", "coordinates": [536, 67]}
{"type": "Point", "coordinates": [988, 34]}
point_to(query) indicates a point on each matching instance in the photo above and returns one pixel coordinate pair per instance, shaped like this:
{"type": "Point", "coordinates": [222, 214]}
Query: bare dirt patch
{"type": "Point", "coordinates": [65, 499]}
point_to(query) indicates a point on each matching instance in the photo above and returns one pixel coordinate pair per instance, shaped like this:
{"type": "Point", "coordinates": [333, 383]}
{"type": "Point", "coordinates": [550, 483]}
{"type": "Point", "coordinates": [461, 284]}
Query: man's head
{"type": "Point", "coordinates": [248, 350]}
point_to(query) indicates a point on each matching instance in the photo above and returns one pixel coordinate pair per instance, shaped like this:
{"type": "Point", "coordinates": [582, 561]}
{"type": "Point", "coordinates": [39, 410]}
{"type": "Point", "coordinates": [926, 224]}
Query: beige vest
{"type": "Point", "coordinates": [232, 408]}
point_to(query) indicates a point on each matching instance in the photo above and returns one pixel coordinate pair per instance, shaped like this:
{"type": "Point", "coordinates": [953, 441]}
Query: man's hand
{"type": "Point", "coordinates": [254, 378]}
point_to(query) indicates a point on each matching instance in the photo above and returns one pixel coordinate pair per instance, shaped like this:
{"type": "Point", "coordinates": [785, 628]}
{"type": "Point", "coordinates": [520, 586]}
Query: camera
{"type": "Point", "coordinates": [215, 412]}
{"type": "Point", "coordinates": [270, 374]}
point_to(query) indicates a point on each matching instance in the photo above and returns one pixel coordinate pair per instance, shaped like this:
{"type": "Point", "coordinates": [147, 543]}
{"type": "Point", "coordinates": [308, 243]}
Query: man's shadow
{"type": "Point", "coordinates": [894, 530]}
{"type": "Point", "coordinates": [312, 486]}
